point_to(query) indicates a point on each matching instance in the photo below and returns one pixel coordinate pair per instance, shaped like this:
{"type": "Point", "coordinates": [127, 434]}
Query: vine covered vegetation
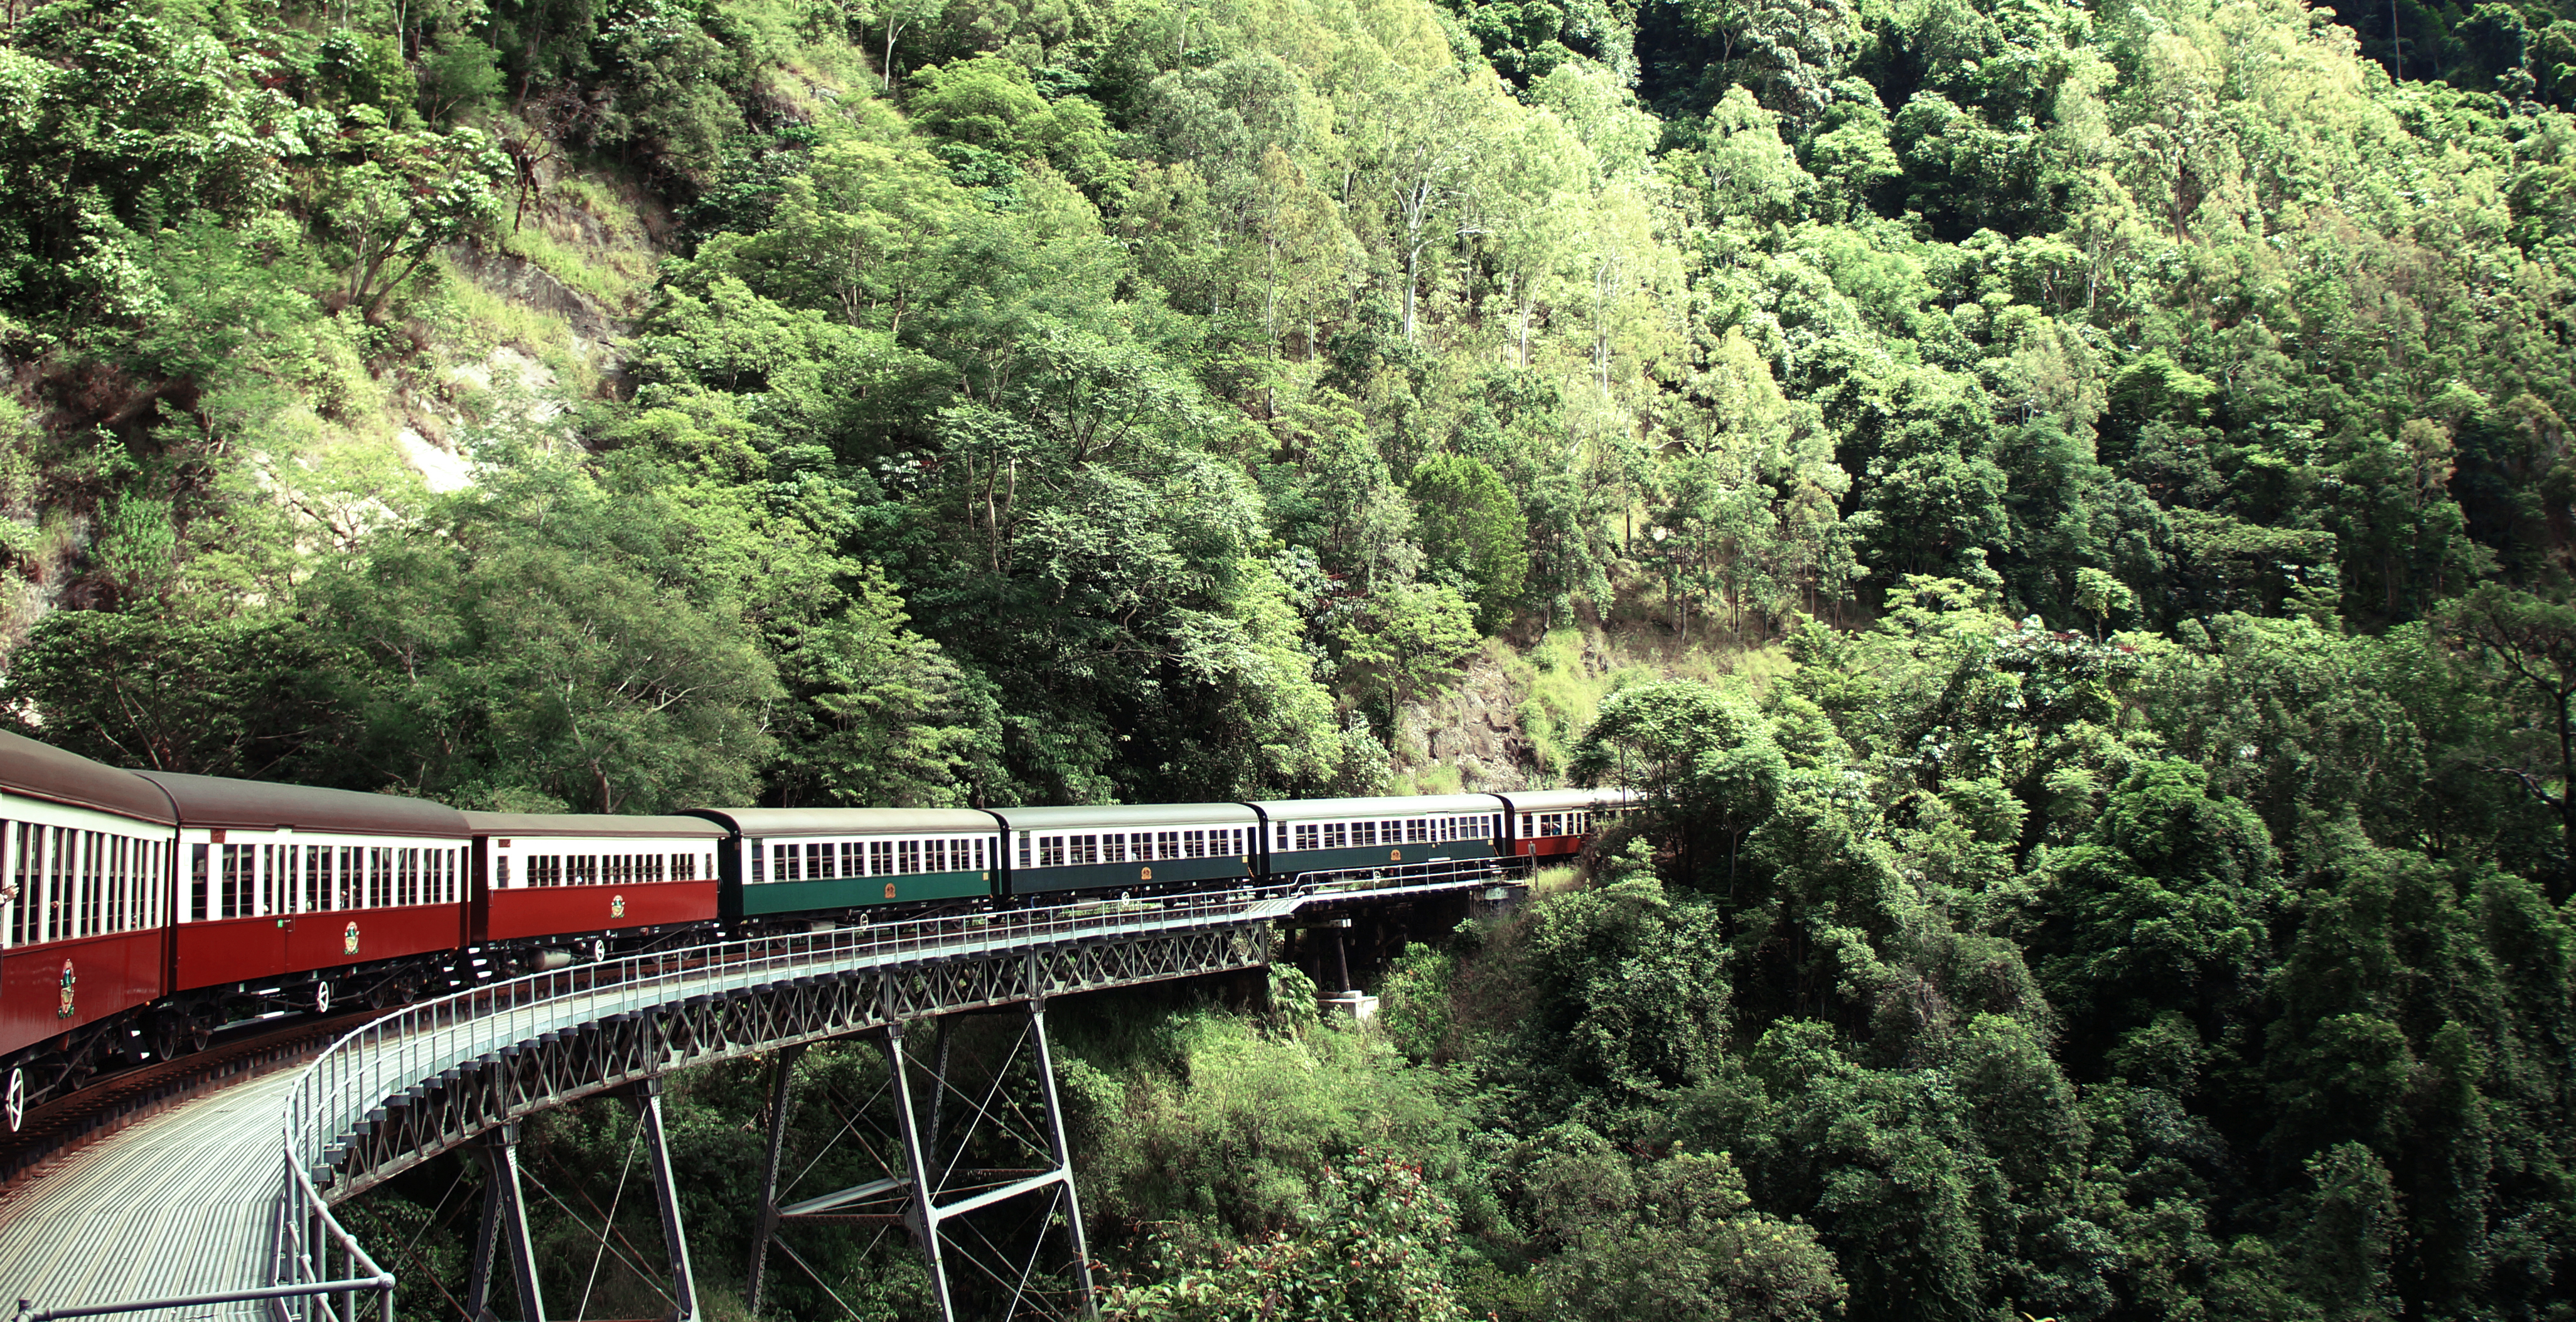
{"type": "Point", "coordinates": [2066, 508]}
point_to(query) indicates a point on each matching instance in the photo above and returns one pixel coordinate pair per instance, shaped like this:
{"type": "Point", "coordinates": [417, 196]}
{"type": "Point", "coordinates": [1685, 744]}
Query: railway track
{"type": "Point", "coordinates": [111, 1103]}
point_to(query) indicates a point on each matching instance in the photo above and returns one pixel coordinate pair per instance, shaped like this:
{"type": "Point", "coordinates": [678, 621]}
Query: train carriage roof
{"type": "Point", "coordinates": [258, 805]}
{"type": "Point", "coordinates": [590, 826]}
{"type": "Point", "coordinates": [1415, 805]}
{"type": "Point", "coordinates": [42, 771]}
{"type": "Point", "coordinates": [1111, 816]}
{"type": "Point", "coordinates": [766, 822]}
{"type": "Point", "coordinates": [1567, 800]}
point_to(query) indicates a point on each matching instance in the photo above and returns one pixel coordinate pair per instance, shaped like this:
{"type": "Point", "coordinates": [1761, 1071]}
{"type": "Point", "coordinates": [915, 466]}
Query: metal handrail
{"type": "Point", "coordinates": [397, 1051]}
{"type": "Point", "coordinates": [26, 1308]}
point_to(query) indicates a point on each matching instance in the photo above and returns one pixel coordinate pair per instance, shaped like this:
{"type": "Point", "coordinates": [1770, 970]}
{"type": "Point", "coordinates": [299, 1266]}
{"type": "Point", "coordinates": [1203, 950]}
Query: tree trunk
{"type": "Point", "coordinates": [2566, 802]}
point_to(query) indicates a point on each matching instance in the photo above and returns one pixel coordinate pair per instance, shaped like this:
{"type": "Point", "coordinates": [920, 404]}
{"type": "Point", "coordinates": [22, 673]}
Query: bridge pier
{"type": "Point", "coordinates": [647, 1096]}
{"type": "Point", "coordinates": [504, 1228]}
{"type": "Point", "coordinates": [1009, 1150]}
{"type": "Point", "coordinates": [781, 1098]}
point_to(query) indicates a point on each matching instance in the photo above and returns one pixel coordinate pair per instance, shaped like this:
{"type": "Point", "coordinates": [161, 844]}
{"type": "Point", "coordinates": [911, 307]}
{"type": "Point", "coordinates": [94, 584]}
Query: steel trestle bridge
{"type": "Point", "coordinates": [221, 1208]}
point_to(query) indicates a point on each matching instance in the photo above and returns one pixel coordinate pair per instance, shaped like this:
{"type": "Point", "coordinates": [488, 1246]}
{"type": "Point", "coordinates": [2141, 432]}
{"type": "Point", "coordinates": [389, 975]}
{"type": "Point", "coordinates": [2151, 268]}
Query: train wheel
{"type": "Point", "coordinates": [598, 950]}
{"type": "Point", "coordinates": [322, 997]}
{"type": "Point", "coordinates": [17, 1098]}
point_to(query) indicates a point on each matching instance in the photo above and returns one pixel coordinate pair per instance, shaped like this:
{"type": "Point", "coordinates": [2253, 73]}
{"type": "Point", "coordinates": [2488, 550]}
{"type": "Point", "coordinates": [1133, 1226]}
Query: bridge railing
{"type": "Point", "coordinates": [354, 1077]}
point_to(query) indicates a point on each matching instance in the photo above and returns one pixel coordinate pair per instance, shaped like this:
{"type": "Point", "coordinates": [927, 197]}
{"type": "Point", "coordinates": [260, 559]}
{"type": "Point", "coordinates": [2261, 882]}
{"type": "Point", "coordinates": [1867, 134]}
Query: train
{"type": "Point", "coordinates": [143, 911]}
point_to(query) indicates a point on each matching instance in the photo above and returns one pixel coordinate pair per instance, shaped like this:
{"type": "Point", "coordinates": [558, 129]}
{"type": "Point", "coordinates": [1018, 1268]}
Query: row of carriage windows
{"type": "Point", "coordinates": [828, 860]}
{"type": "Point", "coordinates": [596, 869]}
{"type": "Point", "coordinates": [59, 883]}
{"type": "Point", "coordinates": [1059, 851]}
{"type": "Point", "coordinates": [1406, 831]}
{"type": "Point", "coordinates": [250, 881]}
{"type": "Point", "coordinates": [1555, 823]}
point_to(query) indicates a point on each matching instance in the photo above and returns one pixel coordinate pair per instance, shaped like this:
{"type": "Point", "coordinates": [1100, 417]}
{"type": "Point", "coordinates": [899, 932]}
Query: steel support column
{"type": "Point", "coordinates": [1063, 1156]}
{"type": "Point", "coordinates": [504, 1229]}
{"type": "Point", "coordinates": [924, 1213]}
{"type": "Point", "coordinates": [647, 1097]}
{"type": "Point", "coordinates": [781, 1097]}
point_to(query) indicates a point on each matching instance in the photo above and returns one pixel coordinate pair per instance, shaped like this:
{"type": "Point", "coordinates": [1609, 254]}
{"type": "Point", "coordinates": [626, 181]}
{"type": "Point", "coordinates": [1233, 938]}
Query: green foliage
{"type": "Point", "coordinates": [2127, 891]}
{"type": "Point", "coordinates": [1469, 524]}
{"type": "Point", "coordinates": [1372, 1250]}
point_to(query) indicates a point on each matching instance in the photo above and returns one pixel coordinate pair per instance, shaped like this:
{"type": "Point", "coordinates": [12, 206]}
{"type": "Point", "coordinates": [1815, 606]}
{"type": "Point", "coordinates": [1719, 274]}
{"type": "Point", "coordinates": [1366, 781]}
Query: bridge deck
{"type": "Point", "coordinates": [170, 1206]}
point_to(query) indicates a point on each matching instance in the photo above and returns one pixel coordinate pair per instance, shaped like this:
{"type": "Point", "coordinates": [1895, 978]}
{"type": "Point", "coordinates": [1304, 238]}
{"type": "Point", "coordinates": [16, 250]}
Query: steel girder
{"type": "Point", "coordinates": [434, 1115]}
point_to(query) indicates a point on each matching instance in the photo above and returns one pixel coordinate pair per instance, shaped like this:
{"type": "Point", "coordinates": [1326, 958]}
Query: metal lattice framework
{"type": "Point", "coordinates": [419, 1083]}
{"type": "Point", "coordinates": [437, 1076]}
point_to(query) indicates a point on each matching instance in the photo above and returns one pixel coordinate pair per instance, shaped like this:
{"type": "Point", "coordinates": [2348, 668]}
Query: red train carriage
{"type": "Point", "coordinates": [84, 899]}
{"type": "Point", "coordinates": [289, 896]}
{"type": "Point", "coordinates": [552, 886]}
{"type": "Point", "coordinates": [1547, 825]}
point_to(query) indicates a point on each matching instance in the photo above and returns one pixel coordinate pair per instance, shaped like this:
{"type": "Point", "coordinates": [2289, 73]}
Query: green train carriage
{"type": "Point", "coordinates": [1146, 846]}
{"type": "Point", "coordinates": [1417, 835]}
{"type": "Point", "coordinates": [784, 861]}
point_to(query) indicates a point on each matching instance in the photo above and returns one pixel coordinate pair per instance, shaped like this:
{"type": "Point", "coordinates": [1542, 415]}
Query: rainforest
{"type": "Point", "coordinates": [2064, 509]}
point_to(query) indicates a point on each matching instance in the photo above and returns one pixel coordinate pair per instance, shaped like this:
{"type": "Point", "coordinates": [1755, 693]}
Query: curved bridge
{"type": "Point", "coordinates": [188, 1209]}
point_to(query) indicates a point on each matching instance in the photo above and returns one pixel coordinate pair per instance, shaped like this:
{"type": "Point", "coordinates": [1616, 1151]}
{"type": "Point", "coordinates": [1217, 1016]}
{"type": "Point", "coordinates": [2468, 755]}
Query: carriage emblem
{"type": "Point", "coordinates": [616, 906]}
{"type": "Point", "coordinates": [889, 890]}
{"type": "Point", "coordinates": [1146, 874]}
{"type": "Point", "coordinates": [64, 1011]}
{"type": "Point", "coordinates": [349, 940]}
{"type": "Point", "coordinates": [1395, 856]}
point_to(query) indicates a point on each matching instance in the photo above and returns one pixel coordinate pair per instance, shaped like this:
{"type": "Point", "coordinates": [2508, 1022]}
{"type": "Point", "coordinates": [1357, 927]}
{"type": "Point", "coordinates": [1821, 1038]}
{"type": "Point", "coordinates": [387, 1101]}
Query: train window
{"type": "Point", "coordinates": [1050, 851]}
{"type": "Point", "coordinates": [1283, 836]}
{"type": "Point", "coordinates": [1193, 844]}
{"type": "Point", "coordinates": [13, 929]}
{"type": "Point", "coordinates": [59, 898]}
{"type": "Point", "coordinates": [1363, 833]}
{"type": "Point", "coordinates": [791, 863]}
{"type": "Point", "coordinates": [1415, 832]}
{"type": "Point", "coordinates": [1337, 835]}
{"type": "Point", "coordinates": [1024, 849]}
{"type": "Point", "coordinates": [22, 882]}
{"type": "Point", "coordinates": [755, 862]}
{"type": "Point", "coordinates": [938, 852]}
{"type": "Point", "coordinates": [980, 864]}
{"type": "Point", "coordinates": [1113, 847]}
{"type": "Point", "coordinates": [880, 858]}
{"type": "Point", "coordinates": [1086, 849]}
{"type": "Point", "coordinates": [908, 856]}
{"type": "Point", "coordinates": [234, 863]}
{"type": "Point", "coordinates": [1307, 835]}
